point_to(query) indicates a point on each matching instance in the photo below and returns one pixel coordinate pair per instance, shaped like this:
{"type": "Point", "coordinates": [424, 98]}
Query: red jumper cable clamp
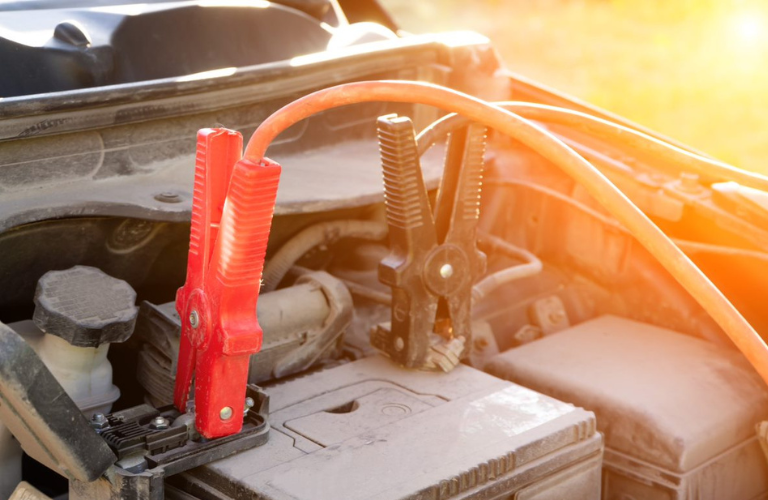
{"type": "Point", "coordinates": [232, 210]}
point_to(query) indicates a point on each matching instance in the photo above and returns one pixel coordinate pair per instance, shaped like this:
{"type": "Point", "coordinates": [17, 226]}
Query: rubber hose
{"type": "Point", "coordinates": [688, 246]}
{"type": "Point", "coordinates": [488, 284]}
{"type": "Point", "coordinates": [323, 233]}
{"type": "Point", "coordinates": [608, 130]}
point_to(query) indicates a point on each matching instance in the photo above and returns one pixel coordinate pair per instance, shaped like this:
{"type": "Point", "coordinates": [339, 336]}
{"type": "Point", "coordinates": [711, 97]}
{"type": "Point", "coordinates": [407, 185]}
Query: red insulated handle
{"type": "Point", "coordinates": [231, 217]}
{"type": "Point", "coordinates": [217, 152]}
{"type": "Point", "coordinates": [233, 289]}
{"type": "Point", "coordinates": [241, 248]}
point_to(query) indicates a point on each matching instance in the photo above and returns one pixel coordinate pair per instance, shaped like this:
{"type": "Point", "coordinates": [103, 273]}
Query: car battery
{"type": "Point", "coordinates": [372, 430]}
{"type": "Point", "coordinates": [678, 413]}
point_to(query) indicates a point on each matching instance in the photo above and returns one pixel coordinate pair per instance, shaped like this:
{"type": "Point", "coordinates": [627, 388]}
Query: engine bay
{"type": "Point", "coordinates": [444, 309]}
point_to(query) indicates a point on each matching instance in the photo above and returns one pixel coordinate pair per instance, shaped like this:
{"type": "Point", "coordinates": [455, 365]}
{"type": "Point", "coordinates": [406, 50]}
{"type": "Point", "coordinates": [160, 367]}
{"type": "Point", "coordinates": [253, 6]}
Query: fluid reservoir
{"type": "Point", "coordinates": [78, 313]}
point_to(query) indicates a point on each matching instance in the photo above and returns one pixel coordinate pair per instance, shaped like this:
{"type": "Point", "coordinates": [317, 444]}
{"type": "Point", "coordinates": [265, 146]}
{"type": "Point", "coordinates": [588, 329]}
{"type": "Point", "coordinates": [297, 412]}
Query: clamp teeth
{"type": "Point", "coordinates": [471, 188]}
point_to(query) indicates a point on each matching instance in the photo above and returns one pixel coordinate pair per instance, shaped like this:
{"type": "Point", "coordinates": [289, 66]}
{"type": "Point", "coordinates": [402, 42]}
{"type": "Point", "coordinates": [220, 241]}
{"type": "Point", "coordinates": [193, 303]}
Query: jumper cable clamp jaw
{"type": "Point", "coordinates": [233, 203]}
{"type": "Point", "coordinates": [433, 260]}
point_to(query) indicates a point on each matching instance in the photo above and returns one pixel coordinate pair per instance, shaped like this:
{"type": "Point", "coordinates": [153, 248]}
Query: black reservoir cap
{"type": "Point", "coordinates": [85, 306]}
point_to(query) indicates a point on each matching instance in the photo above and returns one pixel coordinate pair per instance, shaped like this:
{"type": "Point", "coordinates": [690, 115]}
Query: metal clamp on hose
{"type": "Point", "coordinates": [319, 341]}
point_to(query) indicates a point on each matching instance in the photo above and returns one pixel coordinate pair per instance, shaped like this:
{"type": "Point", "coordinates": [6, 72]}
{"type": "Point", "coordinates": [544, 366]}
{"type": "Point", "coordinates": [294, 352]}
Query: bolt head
{"type": "Point", "coordinates": [99, 422]}
{"type": "Point", "coordinates": [399, 344]}
{"type": "Point", "coordinates": [194, 319]}
{"type": "Point", "coordinates": [225, 413]}
{"type": "Point", "coordinates": [556, 317]}
{"type": "Point", "coordinates": [481, 343]}
{"type": "Point", "coordinates": [168, 197]}
{"type": "Point", "coordinates": [159, 423]}
{"type": "Point", "coordinates": [249, 403]}
{"type": "Point", "coordinates": [446, 271]}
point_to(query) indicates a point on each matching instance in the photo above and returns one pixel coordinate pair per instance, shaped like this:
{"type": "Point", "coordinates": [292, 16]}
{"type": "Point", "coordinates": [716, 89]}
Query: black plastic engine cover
{"type": "Point", "coordinates": [48, 50]}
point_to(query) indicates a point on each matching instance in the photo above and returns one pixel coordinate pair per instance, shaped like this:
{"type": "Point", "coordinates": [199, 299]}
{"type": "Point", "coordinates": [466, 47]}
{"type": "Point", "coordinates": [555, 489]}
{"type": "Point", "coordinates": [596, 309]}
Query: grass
{"type": "Point", "coordinates": [696, 70]}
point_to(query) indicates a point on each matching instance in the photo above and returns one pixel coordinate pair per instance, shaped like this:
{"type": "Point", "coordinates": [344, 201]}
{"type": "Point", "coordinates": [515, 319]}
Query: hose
{"type": "Point", "coordinates": [694, 247]}
{"type": "Point", "coordinates": [531, 267]}
{"type": "Point", "coordinates": [609, 130]}
{"type": "Point", "coordinates": [365, 292]}
{"type": "Point", "coordinates": [597, 185]}
{"type": "Point", "coordinates": [689, 247]}
{"type": "Point", "coordinates": [323, 233]}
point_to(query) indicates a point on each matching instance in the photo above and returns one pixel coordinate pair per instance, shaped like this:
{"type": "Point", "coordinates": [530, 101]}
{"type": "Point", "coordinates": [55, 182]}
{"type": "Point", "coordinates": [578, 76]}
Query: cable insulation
{"type": "Point", "coordinates": [614, 132]}
{"type": "Point", "coordinates": [597, 185]}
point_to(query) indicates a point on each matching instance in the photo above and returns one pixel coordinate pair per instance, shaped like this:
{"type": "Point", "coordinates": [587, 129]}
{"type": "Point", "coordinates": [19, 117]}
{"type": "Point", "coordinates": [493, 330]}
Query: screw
{"type": "Point", "coordinates": [446, 271]}
{"type": "Point", "coordinates": [194, 319]}
{"type": "Point", "coordinates": [168, 197]}
{"type": "Point", "coordinates": [225, 413]}
{"type": "Point", "coordinates": [159, 423]}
